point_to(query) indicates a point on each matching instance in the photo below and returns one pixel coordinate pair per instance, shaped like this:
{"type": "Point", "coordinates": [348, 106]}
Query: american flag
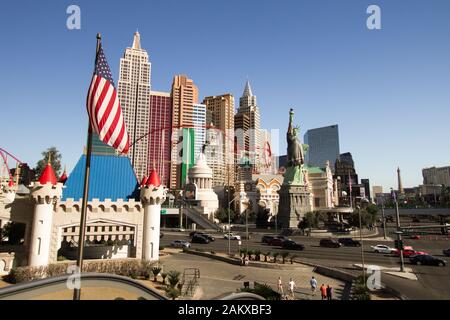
{"type": "Point", "coordinates": [103, 107]}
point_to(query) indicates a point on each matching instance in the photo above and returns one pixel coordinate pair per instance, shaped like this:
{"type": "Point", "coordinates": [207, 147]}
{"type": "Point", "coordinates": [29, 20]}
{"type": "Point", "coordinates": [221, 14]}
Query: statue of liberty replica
{"type": "Point", "coordinates": [295, 195]}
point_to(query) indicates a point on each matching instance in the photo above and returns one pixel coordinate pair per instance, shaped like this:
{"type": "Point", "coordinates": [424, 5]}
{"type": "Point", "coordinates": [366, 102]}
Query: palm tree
{"type": "Point", "coordinates": [292, 258]}
{"type": "Point", "coordinates": [258, 255]}
{"type": "Point", "coordinates": [164, 276]}
{"type": "Point", "coordinates": [156, 271]}
{"type": "Point", "coordinates": [173, 277]}
{"type": "Point", "coordinates": [275, 255]}
{"type": "Point", "coordinates": [284, 255]}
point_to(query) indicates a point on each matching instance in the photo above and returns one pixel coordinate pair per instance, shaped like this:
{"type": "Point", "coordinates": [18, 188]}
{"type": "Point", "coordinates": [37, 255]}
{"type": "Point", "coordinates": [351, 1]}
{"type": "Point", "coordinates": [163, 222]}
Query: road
{"type": "Point", "coordinates": [434, 282]}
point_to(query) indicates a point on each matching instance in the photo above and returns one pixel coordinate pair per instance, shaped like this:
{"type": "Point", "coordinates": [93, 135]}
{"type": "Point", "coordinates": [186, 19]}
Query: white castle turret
{"type": "Point", "coordinates": [153, 194]}
{"type": "Point", "coordinates": [9, 192]}
{"type": "Point", "coordinates": [46, 193]}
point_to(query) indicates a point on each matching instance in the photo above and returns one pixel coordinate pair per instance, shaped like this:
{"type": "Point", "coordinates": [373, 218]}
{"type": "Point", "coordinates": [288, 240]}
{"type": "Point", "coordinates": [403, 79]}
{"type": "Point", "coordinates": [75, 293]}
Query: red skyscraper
{"type": "Point", "coordinates": [160, 128]}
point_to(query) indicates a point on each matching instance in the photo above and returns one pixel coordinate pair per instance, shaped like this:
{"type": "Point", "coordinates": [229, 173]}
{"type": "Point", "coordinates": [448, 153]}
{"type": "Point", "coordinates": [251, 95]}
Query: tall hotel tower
{"type": "Point", "coordinates": [184, 110]}
{"type": "Point", "coordinates": [134, 96]}
{"type": "Point", "coordinates": [248, 106]}
{"type": "Point", "coordinates": [220, 114]}
{"type": "Point", "coordinates": [160, 129]}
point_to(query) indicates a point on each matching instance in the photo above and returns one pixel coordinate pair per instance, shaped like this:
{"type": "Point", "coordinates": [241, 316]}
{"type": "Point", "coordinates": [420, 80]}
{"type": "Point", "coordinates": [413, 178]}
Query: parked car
{"type": "Point", "coordinates": [231, 236]}
{"type": "Point", "coordinates": [292, 245]}
{"type": "Point", "coordinates": [381, 248]}
{"type": "Point", "coordinates": [266, 238]}
{"type": "Point", "coordinates": [180, 244]}
{"type": "Point", "coordinates": [329, 243]}
{"type": "Point", "coordinates": [427, 259]}
{"type": "Point", "coordinates": [199, 239]}
{"type": "Point", "coordinates": [409, 252]}
{"type": "Point", "coordinates": [446, 252]}
{"type": "Point", "coordinates": [389, 219]}
{"type": "Point", "coordinates": [349, 242]}
{"type": "Point", "coordinates": [415, 237]}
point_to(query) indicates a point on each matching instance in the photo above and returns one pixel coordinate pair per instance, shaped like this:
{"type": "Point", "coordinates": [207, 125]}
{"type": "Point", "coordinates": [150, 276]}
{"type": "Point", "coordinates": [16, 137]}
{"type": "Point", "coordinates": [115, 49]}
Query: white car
{"type": "Point", "coordinates": [180, 244]}
{"type": "Point", "coordinates": [232, 236]}
{"type": "Point", "coordinates": [381, 248]}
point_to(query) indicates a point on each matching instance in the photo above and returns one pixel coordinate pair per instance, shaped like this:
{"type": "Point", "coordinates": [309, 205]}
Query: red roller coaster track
{"type": "Point", "coordinates": [5, 155]}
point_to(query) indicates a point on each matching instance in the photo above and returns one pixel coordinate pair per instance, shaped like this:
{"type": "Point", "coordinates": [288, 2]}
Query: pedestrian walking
{"type": "Point", "coordinates": [280, 286]}
{"type": "Point", "coordinates": [313, 283]}
{"type": "Point", "coordinates": [329, 292]}
{"type": "Point", "coordinates": [323, 291]}
{"type": "Point", "coordinates": [291, 287]}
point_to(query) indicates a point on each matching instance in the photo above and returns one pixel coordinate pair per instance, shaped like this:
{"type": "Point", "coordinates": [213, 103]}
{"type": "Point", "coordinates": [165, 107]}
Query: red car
{"type": "Point", "coordinates": [409, 252]}
{"type": "Point", "coordinates": [415, 237]}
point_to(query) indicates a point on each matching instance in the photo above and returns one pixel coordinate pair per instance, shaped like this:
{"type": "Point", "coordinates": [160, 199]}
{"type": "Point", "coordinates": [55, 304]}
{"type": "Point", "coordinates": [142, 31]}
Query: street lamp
{"type": "Point", "coordinates": [229, 220]}
{"type": "Point", "coordinates": [383, 217]}
{"type": "Point", "coordinates": [364, 201]}
{"type": "Point", "coordinates": [398, 232]}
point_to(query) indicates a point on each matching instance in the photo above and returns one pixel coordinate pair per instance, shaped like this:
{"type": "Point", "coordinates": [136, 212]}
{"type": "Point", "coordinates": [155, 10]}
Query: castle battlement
{"type": "Point", "coordinates": [97, 206]}
{"type": "Point", "coordinates": [46, 193]}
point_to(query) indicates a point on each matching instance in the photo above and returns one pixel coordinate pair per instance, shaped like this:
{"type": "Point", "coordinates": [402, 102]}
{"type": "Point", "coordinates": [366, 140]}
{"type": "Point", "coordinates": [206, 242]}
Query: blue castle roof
{"type": "Point", "coordinates": [111, 177]}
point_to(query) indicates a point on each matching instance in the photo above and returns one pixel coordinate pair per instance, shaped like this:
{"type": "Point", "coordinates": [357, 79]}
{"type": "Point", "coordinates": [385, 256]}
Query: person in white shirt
{"type": "Point", "coordinates": [313, 283]}
{"type": "Point", "coordinates": [291, 287]}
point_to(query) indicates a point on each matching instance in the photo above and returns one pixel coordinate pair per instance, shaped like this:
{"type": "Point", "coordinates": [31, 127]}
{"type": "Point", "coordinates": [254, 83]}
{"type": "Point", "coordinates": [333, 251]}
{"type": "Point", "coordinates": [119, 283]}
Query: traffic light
{"type": "Point", "coordinates": [399, 244]}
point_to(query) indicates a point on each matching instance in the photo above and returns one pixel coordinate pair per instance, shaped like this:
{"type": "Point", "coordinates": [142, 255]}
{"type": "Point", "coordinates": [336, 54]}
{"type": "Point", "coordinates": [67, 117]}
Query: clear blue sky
{"type": "Point", "coordinates": [389, 89]}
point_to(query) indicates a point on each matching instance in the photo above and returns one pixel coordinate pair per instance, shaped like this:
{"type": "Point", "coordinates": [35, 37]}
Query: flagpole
{"type": "Point", "coordinates": [77, 291]}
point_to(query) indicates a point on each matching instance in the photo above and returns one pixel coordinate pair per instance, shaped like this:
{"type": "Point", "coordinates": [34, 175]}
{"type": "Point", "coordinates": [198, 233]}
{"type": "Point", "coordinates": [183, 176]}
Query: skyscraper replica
{"type": "Point", "coordinates": [248, 106]}
{"type": "Point", "coordinates": [160, 129]}
{"type": "Point", "coordinates": [323, 146]}
{"type": "Point", "coordinates": [184, 97]}
{"type": "Point", "coordinates": [134, 97]}
{"type": "Point", "coordinates": [220, 115]}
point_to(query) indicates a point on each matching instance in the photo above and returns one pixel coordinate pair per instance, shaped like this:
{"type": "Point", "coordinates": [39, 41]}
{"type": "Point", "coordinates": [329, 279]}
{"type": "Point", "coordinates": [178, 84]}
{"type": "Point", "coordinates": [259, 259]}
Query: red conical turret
{"type": "Point", "coordinates": [144, 181]}
{"type": "Point", "coordinates": [154, 179]}
{"type": "Point", "coordinates": [63, 177]}
{"type": "Point", "coordinates": [48, 175]}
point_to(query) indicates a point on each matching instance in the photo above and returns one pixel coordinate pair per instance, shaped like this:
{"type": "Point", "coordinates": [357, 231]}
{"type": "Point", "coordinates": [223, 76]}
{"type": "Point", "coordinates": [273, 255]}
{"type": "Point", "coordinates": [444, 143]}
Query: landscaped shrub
{"type": "Point", "coordinates": [263, 290]}
{"type": "Point", "coordinates": [172, 293]}
{"type": "Point", "coordinates": [133, 268]}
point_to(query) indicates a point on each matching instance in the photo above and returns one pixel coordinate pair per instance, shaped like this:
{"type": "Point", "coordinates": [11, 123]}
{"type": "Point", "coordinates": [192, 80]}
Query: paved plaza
{"type": "Point", "coordinates": [220, 278]}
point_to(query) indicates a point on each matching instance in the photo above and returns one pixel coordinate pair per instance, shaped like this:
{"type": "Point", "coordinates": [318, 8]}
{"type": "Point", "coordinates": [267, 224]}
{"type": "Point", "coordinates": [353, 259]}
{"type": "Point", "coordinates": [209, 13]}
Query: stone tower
{"type": "Point", "coordinates": [46, 193]}
{"type": "Point", "coordinates": [153, 194]}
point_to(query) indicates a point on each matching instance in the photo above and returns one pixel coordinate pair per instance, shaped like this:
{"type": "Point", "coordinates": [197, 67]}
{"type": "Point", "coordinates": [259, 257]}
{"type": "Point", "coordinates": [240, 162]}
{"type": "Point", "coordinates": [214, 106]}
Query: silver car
{"type": "Point", "coordinates": [381, 248]}
{"type": "Point", "coordinates": [180, 244]}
